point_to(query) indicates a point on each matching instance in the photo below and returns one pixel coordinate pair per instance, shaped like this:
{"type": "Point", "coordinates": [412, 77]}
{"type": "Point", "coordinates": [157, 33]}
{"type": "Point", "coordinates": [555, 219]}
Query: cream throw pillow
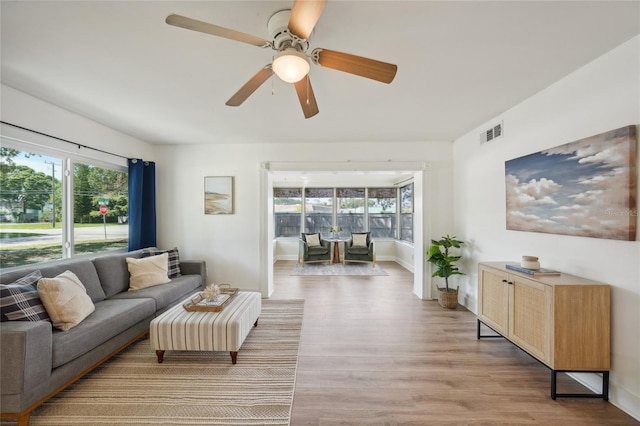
{"type": "Point", "coordinates": [359, 240]}
{"type": "Point", "coordinates": [148, 271]}
{"type": "Point", "coordinates": [313, 240]}
{"type": "Point", "coordinates": [66, 300]}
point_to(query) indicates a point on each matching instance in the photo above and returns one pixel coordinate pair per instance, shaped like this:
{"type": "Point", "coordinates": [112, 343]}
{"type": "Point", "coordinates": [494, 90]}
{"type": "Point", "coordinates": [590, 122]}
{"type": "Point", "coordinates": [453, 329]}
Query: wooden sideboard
{"type": "Point", "coordinates": [562, 320]}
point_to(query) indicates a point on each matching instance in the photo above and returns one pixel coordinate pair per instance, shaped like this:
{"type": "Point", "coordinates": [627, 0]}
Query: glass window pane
{"type": "Point", "coordinates": [406, 198]}
{"type": "Point", "coordinates": [382, 212]}
{"type": "Point", "coordinates": [350, 211]}
{"type": "Point", "coordinates": [100, 209]}
{"type": "Point", "coordinates": [318, 210]}
{"type": "Point", "coordinates": [287, 208]}
{"type": "Point", "coordinates": [406, 212]}
{"type": "Point", "coordinates": [30, 208]}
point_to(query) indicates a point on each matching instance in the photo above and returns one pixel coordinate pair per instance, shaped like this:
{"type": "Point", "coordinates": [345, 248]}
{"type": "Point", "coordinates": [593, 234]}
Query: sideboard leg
{"type": "Point", "coordinates": [553, 383]}
{"type": "Point", "coordinates": [605, 386]}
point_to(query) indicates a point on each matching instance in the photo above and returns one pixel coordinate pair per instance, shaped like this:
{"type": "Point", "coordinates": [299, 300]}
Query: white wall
{"type": "Point", "coordinates": [601, 96]}
{"type": "Point", "coordinates": [27, 111]}
{"type": "Point", "coordinates": [231, 243]}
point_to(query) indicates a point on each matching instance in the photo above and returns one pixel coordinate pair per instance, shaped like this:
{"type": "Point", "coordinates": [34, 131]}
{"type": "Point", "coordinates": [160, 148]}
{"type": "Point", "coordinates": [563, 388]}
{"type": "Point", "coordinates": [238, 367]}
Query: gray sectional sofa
{"type": "Point", "coordinates": [38, 360]}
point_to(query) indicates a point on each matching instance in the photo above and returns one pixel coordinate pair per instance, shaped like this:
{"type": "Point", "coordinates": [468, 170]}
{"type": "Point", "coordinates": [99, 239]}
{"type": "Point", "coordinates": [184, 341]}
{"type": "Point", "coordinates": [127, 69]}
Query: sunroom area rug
{"type": "Point", "coordinates": [191, 388]}
{"type": "Point", "coordinates": [362, 269]}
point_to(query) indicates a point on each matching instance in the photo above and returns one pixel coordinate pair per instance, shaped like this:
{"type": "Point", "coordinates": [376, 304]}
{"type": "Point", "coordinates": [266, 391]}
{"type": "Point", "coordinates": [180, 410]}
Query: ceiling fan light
{"type": "Point", "coordinates": [290, 65]}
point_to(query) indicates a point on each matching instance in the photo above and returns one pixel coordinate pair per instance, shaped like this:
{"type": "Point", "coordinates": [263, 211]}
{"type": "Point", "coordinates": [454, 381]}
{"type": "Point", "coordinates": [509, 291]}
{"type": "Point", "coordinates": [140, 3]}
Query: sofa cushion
{"type": "Point", "coordinates": [148, 271]}
{"type": "Point", "coordinates": [113, 271]}
{"type": "Point", "coordinates": [66, 300]}
{"type": "Point", "coordinates": [19, 301]}
{"type": "Point", "coordinates": [84, 270]}
{"type": "Point", "coordinates": [110, 318]}
{"type": "Point", "coordinates": [174, 259]}
{"type": "Point", "coordinates": [166, 294]}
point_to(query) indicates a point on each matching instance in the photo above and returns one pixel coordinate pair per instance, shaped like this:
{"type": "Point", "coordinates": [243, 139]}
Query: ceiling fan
{"type": "Point", "coordinates": [290, 31]}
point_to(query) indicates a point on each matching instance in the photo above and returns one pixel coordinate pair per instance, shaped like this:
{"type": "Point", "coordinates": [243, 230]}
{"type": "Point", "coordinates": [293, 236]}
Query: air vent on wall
{"type": "Point", "coordinates": [492, 133]}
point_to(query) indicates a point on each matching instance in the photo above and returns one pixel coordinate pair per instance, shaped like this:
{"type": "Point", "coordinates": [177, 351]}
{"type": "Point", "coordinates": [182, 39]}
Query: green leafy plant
{"type": "Point", "coordinates": [438, 255]}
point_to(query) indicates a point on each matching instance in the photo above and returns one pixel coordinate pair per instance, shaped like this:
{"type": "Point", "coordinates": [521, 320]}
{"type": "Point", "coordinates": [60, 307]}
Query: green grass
{"type": "Point", "coordinates": [44, 252]}
{"type": "Point", "coordinates": [47, 225]}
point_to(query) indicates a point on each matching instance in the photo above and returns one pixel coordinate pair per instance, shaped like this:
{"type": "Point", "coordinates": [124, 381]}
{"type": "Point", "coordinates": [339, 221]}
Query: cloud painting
{"type": "Point", "coordinates": [583, 188]}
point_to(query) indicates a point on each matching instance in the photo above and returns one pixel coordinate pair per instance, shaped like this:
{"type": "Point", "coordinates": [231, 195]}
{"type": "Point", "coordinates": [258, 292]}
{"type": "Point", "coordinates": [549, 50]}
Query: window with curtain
{"type": "Point", "coordinates": [318, 210]}
{"type": "Point", "coordinates": [33, 206]}
{"type": "Point", "coordinates": [381, 208]}
{"type": "Point", "coordinates": [287, 210]}
{"type": "Point", "coordinates": [406, 212]}
{"type": "Point", "coordinates": [350, 204]}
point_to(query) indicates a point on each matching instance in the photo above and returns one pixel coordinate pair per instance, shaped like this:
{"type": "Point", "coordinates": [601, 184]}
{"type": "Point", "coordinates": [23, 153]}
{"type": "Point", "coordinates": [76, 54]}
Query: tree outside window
{"type": "Point", "coordinates": [32, 218]}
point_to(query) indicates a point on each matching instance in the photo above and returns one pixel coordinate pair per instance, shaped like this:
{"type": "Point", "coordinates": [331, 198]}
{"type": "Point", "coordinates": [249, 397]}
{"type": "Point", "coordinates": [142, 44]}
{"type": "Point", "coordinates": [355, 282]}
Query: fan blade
{"type": "Point", "coordinates": [250, 86]}
{"type": "Point", "coordinates": [304, 16]}
{"type": "Point", "coordinates": [364, 67]}
{"type": "Point", "coordinates": [306, 97]}
{"type": "Point", "coordinates": [205, 27]}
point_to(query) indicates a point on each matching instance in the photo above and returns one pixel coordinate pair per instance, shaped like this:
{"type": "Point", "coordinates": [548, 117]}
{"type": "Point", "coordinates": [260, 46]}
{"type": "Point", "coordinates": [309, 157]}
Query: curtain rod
{"type": "Point", "coordinates": [64, 140]}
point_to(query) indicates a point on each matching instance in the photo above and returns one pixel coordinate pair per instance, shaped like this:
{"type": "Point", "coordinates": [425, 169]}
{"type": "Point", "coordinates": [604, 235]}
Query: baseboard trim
{"type": "Point", "coordinates": [619, 397]}
{"type": "Point", "coordinates": [406, 265]}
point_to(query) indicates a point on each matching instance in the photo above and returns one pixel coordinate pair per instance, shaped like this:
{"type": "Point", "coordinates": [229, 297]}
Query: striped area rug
{"type": "Point", "coordinates": [191, 388]}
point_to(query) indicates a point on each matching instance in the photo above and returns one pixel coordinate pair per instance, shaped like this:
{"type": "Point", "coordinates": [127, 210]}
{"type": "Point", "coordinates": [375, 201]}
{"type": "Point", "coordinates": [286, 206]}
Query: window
{"type": "Point", "coordinates": [35, 222]}
{"type": "Point", "coordinates": [94, 187]}
{"type": "Point", "coordinates": [382, 212]}
{"type": "Point", "coordinates": [287, 208]}
{"type": "Point", "coordinates": [350, 210]}
{"type": "Point", "coordinates": [355, 209]}
{"type": "Point", "coordinates": [318, 210]}
{"type": "Point", "coordinates": [406, 212]}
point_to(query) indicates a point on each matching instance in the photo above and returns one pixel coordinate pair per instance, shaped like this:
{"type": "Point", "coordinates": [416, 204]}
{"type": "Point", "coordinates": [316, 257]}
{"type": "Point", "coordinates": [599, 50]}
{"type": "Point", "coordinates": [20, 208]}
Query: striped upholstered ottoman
{"type": "Point", "coordinates": [179, 330]}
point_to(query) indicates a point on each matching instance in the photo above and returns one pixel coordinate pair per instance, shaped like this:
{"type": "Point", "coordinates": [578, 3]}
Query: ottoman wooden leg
{"type": "Point", "coordinates": [160, 355]}
{"type": "Point", "coordinates": [234, 357]}
{"type": "Point", "coordinates": [256, 323]}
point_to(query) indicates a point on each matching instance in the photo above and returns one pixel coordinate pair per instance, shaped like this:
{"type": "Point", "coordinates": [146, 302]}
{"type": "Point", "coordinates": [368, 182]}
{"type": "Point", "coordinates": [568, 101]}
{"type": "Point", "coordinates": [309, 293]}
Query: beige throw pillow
{"type": "Point", "coordinates": [66, 300]}
{"type": "Point", "coordinates": [359, 240]}
{"type": "Point", "coordinates": [313, 240]}
{"type": "Point", "coordinates": [148, 271]}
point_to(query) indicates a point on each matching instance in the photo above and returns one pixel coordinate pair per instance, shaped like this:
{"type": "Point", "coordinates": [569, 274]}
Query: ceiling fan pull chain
{"type": "Point", "coordinates": [307, 77]}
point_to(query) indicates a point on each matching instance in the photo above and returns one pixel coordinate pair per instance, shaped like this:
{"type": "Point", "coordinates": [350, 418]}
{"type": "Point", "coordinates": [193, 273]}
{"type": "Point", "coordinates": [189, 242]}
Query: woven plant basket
{"type": "Point", "coordinates": [448, 299]}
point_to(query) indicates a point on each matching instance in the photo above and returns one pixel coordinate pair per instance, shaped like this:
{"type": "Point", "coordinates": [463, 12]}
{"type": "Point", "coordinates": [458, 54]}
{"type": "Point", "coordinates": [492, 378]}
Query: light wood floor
{"type": "Point", "coordinates": [373, 353]}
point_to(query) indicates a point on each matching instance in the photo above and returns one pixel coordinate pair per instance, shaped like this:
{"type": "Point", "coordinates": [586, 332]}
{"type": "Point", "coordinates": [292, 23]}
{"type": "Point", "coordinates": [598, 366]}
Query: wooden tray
{"type": "Point", "coordinates": [196, 304]}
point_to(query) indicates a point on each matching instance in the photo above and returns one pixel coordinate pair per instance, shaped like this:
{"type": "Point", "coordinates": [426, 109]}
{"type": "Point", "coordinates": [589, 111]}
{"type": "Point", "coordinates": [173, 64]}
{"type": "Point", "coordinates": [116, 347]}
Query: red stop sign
{"type": "Point", "coordinates": [103, 209]}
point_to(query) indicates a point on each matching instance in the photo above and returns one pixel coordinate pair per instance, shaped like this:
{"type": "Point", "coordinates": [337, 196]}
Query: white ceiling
{"type": "Point", "coordinates": [459, 65]}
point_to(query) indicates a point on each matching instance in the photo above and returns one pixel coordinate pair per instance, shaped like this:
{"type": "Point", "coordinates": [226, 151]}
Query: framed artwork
{"type": "Point", "coordinates": [583, 188]}
{"type": "Point", "coordinates": [218, 195]}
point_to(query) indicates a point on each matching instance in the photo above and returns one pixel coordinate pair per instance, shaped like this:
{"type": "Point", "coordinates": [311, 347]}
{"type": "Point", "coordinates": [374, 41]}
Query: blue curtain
{"type": "Point", "coordinates": [142, 204]}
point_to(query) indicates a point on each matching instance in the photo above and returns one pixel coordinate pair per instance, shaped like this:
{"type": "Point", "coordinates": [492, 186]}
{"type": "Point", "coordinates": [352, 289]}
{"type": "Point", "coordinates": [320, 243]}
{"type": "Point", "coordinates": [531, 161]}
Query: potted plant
{"type": "Point", "coordinates": [438, 255]}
